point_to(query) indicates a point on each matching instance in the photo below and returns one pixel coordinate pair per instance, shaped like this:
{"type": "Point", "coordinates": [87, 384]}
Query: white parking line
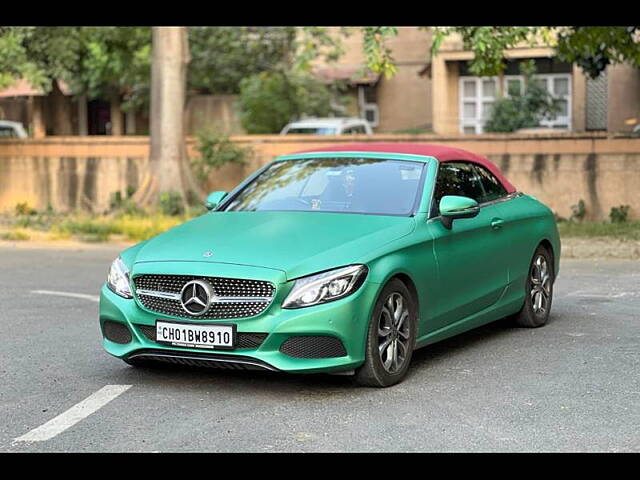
{"type": "Point", "coordinates": [76, 413]}
{"type": "Point", "coordinates": [93, 298]}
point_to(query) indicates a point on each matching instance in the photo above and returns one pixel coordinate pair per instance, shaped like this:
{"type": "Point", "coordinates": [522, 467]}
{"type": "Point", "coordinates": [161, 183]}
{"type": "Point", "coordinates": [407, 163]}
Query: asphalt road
{"type": "Point", "coordinates": [573, 385]}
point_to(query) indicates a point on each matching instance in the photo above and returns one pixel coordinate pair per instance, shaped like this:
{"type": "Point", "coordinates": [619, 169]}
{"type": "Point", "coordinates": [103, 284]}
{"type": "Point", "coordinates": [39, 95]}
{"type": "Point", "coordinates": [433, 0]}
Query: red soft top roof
{"type": "Point", "coordinates": [440, 152]}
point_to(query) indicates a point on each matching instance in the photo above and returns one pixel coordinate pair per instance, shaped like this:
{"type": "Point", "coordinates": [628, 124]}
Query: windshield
{"type": "Point", "coordinates": [347, 185]}
{"type": "Point", "coordinates": [313, 130]}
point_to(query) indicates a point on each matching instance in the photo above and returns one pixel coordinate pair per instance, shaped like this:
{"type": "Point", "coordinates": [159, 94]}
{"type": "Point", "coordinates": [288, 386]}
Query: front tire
{"type": "Point", "coordinates": [538, 291]}
{"type": "Point", "coordinates": [390, 337]}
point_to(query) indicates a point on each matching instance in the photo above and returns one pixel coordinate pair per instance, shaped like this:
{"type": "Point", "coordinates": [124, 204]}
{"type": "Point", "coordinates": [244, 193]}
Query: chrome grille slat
{"type": "Point", "coordinates": [234, 297]}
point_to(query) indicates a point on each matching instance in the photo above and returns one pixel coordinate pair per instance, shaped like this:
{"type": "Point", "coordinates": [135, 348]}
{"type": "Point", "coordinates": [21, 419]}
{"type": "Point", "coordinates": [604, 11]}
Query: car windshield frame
{"type": "Point", "coordinates": [390, 157]}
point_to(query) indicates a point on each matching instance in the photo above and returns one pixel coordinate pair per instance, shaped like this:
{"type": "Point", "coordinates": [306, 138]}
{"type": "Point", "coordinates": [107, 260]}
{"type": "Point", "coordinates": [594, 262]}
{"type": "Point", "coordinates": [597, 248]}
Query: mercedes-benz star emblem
{"type": "Point", "coordinates": [196, 296]}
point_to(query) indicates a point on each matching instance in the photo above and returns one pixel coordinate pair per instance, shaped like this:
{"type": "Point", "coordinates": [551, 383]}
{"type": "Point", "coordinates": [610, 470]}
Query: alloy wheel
{"type": "Point", "coordinates": [394, 333]}
{"type": "Point", "coordinates": [540, 285]}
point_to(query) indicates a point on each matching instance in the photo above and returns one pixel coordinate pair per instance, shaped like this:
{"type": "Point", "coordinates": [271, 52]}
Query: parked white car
{"type": "Point", "coordinates": [328, 126]}
{"type": "Point", "coordinates": [12, 130]}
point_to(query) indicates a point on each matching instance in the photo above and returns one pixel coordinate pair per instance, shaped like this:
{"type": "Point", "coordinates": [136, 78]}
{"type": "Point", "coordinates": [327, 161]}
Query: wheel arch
{"type": "Point", "coordinates": [409, 283]}
{"type": "Point", "coordinates": [546, 243]}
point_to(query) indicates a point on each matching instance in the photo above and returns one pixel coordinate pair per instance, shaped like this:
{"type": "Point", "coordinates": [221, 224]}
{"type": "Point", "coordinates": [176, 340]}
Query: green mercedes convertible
{"type": "Point", "coordinates": [341, 260]}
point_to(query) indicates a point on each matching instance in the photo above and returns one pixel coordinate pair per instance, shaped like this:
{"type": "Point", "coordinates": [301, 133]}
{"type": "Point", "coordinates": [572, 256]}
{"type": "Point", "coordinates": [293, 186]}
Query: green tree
{"type": "Point", "coordinates": [222, 56]}
{"type": "Point", "coordinates": [102, 62]}
{"type": "Point", "coordinates": [115, 61]}
{"type": "Point", "coordinates": [44, 56]}
{"type": "Point", "coordinates": [270, 100]}
{"type": "Point", "coordinates": [592, 48]}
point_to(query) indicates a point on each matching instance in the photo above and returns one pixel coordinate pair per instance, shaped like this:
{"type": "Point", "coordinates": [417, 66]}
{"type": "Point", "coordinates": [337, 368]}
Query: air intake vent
{"type": "Point", "coordinates": [116, 332]}
{"type": "Point", "coordinates": [313, 347]}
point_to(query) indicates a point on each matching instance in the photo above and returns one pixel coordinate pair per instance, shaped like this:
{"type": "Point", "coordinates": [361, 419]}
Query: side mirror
{"type": "Point", "coordinates": [214, 199]}
{"type": "Point", "coordinates": [453, 206]}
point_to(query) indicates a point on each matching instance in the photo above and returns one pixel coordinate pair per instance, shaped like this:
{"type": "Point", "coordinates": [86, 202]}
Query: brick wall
{"type": "Point", "coordinates": [559, 169]}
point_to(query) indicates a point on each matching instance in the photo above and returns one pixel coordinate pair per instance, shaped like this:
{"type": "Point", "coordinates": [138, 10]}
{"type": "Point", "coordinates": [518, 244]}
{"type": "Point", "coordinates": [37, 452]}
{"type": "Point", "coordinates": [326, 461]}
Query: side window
{"type": "Point", "coordinates": [7, 132]}
{"type": "Point", "coordinates": [493, 189]}
{"type": "Point", "coordinates": [456, 178]}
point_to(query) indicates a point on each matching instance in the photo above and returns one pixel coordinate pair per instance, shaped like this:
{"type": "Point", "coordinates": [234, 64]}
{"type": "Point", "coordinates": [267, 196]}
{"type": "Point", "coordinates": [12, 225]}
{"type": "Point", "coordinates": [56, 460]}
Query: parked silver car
{"type": "Point", "coordinates": [328, 126]}
{"type": "Point", "coordinates": [10, 129]}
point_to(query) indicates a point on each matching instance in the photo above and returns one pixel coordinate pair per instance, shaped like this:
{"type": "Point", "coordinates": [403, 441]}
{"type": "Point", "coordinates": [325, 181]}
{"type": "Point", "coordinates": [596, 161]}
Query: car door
{"type": "Point", "coordinates": [472, 272]}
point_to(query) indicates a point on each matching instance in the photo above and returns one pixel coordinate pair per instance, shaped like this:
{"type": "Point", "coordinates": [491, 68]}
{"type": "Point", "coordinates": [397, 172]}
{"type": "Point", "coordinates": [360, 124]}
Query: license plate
{"type": "Point", "coordinates": [196, 336]}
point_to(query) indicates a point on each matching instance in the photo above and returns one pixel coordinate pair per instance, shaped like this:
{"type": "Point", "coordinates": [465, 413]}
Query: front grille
{"type": "Point", "coordinates": [313, 347]}
{"type": "Point", "coordinates": [244, 340]}
{"type": "Point", "coordinates": [233, 362]}
{"type": "Point", "coordinates": [116, 332]}
{"type": "Point", "coordinates": [234, 297]}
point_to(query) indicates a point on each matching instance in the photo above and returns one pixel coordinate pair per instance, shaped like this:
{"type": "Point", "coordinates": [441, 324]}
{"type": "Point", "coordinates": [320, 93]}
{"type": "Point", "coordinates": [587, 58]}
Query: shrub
{"type": "Point", "coordinates": [171, 203]}
{"type": "Point", "coordinates": [23, 208]}
{"type": "Point", "coordinates": [216, 149]}
{"type": "Point", "coordinates": [578, 211]}
{"type": "Point", "coordinates": [137, 228]}
{"type": "Point", "coordinates": [15, 235]}
{"type": "Point", "coordinates": [619, 214]}
{"type": "Point", "coordinates": [101, 227]}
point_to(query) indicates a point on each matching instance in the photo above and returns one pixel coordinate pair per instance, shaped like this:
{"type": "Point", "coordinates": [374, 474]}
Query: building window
{"type": "Point", "coordinates": [368, 104]}
{"type": "Point", "coordinates": [558, 85]}
{"type": "Point", "coordinates": [597, 102]}
{"type": "Point", "coordinates": [479, 93]}
{"type": "Point", "coordinates": [476, 101]}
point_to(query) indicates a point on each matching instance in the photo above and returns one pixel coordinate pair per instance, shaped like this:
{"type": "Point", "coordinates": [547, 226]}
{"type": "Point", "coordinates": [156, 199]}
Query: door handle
{"type": "Point", "coordinates": [497, 223]}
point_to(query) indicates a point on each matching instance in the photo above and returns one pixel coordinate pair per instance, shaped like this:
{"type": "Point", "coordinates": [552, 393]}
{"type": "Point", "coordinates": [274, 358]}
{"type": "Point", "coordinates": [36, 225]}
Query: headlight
{"type": "Point", "coordinates": [325, 287]}
{"type": "Point", "coordinates": [118, 279]}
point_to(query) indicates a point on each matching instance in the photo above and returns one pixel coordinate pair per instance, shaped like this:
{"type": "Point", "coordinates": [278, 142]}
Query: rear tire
{"type": "Point", "coordinates": [391, 337]}
{"type": "Point", "coordinates": [538, 291]}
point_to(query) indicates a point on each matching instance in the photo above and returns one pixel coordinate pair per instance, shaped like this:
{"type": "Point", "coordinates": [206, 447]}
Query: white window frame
{"type": "Point", "coordinates": [550, 86]}
{"type": "Point", "coordinates": [478, 121]}
{"type": "Point", "coordinates": [559, 119]}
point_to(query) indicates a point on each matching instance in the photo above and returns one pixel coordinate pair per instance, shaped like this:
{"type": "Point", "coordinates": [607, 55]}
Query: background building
{"type": "Point", "coordinates": [440, 94]}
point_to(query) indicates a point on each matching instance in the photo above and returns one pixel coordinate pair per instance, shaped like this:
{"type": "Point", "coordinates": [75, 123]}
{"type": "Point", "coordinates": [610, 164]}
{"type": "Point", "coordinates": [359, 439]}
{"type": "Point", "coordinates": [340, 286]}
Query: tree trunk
{"type": "Point", "coordinates": [130, 122]}
{"type": "Point", "coordinates": [36, 117]}
{"type": "Point", "coordinates": [62, 111]}
{"type": "Point", "coordinates": [116, 115]}
{"type": "Point", "coordinates": [83, 116]}
{"type": "Point", "coordinates": [169, 169]}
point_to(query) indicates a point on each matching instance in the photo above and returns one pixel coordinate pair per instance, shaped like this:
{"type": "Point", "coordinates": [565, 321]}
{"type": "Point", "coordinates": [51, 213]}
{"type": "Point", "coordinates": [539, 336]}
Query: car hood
{"type": "Point", "coordinates": [296, 243]}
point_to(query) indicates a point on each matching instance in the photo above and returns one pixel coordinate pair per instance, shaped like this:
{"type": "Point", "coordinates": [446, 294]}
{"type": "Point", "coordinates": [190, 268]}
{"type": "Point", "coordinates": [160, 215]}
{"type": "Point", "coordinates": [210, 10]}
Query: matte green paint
{"type": "Point", "coordinates": [214, 199]}
{"type": "Point", "coordinates": [470, 275]}
{"type": "Point", "coordinates": [454, 205]}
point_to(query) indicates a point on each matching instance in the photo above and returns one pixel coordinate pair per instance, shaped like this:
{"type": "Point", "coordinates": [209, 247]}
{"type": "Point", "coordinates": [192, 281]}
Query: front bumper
{"type": "Point", "coordinates": [346, 319]}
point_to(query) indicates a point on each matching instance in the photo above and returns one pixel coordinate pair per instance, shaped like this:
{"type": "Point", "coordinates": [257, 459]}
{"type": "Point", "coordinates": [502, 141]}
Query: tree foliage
{"type": "Point", "coordinates": [377, 53]}
{"type": "Point", "coordinates": [222, 56]}
{"type": "Point", "coordinates": [115, 60]}
{"type": "Point", "coordinates": [592, 48]}
{"type": "Point", "coordinates": [270, 100]}
{"type": "Point", "coordinates": [97, 61]}
{"type": "Point", "coordinates": [39, 54]}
